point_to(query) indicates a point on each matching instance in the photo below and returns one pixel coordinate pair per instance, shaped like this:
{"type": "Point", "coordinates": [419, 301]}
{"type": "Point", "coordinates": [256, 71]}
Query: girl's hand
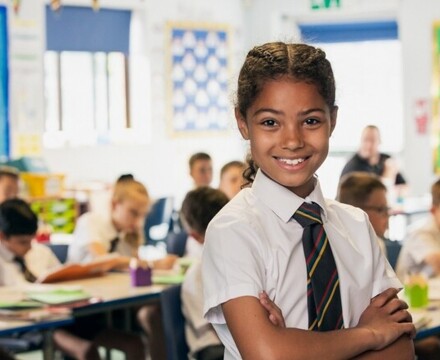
{"type": "Point", "coordinates": [387, 319]}
{"type": "Point", "coordinates": [275, 313]}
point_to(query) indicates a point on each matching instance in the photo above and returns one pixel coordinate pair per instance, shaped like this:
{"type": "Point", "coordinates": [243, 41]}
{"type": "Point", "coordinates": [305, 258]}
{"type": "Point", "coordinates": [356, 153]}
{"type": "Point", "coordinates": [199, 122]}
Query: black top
{"type": "Point", "coordinates": [356, 163]}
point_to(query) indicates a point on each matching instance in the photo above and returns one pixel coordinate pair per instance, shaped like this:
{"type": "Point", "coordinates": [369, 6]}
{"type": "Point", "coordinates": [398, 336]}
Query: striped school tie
{"type": "Point", "coordinates": [323, 294]}
{"type": "Point", "coordinates": [24, 269]}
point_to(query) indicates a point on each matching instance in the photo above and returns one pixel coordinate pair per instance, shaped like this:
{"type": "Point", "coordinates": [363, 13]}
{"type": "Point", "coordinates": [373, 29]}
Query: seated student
{"type": "Point", "coordinates": [21, 258]}
{"type": "Point", "coordinates": [198, 208]}
{"type": "Point", "coordinates": [421, 248]}
{"type": "Point", "coordinates": [9, 183]}
{"type": "Point", "coordinates": [231, 178]}
{"type": "Point", "coordinates": [117, 229]}
{"type": "Point", "coordinates": [366, 191]}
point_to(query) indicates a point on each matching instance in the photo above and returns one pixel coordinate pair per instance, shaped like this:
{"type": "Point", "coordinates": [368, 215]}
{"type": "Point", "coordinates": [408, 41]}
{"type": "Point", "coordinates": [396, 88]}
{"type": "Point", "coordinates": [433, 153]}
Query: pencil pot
{"type": "Point", "coordinates": [140, 276]}
{"type": "Point", "coordinates": [416, 291]}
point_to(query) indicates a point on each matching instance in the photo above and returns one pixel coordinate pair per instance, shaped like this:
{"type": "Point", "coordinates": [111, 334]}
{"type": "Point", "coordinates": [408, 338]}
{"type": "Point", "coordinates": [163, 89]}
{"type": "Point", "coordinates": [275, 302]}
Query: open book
{"type": "Point", "coordinates": [75, 271]}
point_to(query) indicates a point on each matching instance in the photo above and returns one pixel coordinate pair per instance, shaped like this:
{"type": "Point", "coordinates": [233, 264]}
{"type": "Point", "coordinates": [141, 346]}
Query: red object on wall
{"type": "Point", "coordinates": [421, 116]}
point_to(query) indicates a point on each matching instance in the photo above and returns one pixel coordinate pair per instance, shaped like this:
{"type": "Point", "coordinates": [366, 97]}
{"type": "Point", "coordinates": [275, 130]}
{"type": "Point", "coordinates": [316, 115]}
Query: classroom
{"type": "Point", "coordinates": [107, 100]}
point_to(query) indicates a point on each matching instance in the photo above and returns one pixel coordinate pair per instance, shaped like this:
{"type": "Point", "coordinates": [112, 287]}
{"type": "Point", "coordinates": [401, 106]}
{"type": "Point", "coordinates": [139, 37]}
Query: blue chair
{"type": "Point", "coordinates": [60, 251]}
{"type": "Point", "coordinates": [393, 250]}
{"type": "Point", "coordinates": [173, 323]}
{"type": "Point", "coordinates": [176, 243]}
{"type": "Point", "coordinates": [158, 221]}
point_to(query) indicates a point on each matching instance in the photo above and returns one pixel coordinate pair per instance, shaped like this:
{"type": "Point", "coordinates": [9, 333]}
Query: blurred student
{"type": "Point", "coordinates": [198, 208]}
{"type": "Point", "coordinates": [231, 178]}
{"type": "Point", "coordinates": [200, 169]}
{"type": "Point", "coordinates": [421, 249]}
{"type": "Point", "coordinates": [369, 159]}
{"type": "Point", "coordinates": [9, 183]}
{"type": "Point", "coordinates": [366, 191]}
{"type": "Point", "coordinates": [118, 229]}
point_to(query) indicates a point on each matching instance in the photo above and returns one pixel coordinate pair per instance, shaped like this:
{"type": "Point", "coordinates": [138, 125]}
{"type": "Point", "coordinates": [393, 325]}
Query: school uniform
{"type": "Point", "coordinates": [199, 332]}
{"type": "Point", "coordinates": [96, 227]}
{"type": "Point", "coordinates": [253, 244]}
{"type": "Point", "coordinates": [39, 259]}
{"type": "Point", "coordinates": [420, 242]}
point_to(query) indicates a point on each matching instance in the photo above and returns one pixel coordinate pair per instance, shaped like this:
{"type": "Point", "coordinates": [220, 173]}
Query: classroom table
{"type": "Point", "coordinates": [109, 292]}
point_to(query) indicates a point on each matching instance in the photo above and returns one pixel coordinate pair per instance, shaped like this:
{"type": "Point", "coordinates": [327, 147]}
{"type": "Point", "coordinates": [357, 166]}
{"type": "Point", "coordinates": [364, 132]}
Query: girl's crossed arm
{"type": "Point", "coordinates": [383, 322]}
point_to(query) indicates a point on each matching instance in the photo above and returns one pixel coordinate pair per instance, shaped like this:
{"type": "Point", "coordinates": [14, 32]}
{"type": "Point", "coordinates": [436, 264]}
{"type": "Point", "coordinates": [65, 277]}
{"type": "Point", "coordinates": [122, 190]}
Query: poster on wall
{"type": "Point", "coordinates": [435, 132]}
{"type": "Point", "coordinates": [198, 76]}
{"type": "Point", "coordinates": [4, 111]}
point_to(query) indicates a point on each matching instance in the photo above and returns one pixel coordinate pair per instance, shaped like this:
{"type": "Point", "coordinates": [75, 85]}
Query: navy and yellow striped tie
{"type": "Point", "coordinates": [323, 294]}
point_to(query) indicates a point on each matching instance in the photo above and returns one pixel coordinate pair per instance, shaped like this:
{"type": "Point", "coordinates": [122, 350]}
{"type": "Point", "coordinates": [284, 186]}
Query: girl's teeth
{"type": "Point", "coordinates": [292, 162]}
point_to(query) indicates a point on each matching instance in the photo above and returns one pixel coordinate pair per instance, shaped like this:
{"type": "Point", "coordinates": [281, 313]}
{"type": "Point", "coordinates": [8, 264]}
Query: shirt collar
{"type": "Point", "coordinates": [5, 253]}
{"type": "Point", "coordinates": [282, 201]}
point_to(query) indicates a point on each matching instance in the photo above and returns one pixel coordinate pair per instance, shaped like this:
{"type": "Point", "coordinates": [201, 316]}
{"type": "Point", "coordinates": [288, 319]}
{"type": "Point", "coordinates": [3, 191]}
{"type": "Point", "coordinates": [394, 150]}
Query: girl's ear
{"type": "Point", "coordinates": [242, 125]}
{"type": "Point", "coordinates": [333, 116]}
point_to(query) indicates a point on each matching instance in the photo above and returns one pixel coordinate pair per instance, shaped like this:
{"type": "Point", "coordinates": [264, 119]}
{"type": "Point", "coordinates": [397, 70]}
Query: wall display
{"type": "Point", "coordinates": [198, 77]}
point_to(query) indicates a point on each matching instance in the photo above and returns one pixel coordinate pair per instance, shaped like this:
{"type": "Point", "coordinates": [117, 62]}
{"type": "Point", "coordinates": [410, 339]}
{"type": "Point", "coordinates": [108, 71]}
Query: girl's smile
{"type": "Point", "coordinates": [289, 125]}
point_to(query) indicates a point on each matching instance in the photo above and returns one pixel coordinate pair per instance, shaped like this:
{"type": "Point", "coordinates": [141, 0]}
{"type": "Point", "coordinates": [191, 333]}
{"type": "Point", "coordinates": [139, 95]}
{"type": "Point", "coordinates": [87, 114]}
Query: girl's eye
{"type": "Point", "coordinates": [312, 121]}
{"type": "Point", "coordinates": [269, 122]}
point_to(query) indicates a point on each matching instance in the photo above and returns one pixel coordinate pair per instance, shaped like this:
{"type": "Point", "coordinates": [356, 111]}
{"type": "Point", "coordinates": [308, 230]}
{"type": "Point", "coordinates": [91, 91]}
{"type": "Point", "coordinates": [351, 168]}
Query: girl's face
{"type": "Point", "coordinates": [128, 215]}
{"type": "Point", "coordinates": [289, 126]}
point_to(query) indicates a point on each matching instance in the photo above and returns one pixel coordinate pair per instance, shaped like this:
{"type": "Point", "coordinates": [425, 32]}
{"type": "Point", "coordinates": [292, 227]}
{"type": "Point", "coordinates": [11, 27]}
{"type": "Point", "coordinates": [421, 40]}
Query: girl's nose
{"type": "Point", "coordinates": [292, 139]}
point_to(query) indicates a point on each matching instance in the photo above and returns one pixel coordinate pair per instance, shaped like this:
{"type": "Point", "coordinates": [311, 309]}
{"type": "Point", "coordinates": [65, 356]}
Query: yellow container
{"type": "Point", "coordinates": [40, 185]}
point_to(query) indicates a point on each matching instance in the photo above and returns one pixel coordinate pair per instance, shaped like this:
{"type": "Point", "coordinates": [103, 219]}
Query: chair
{"type": "Point", "coordinates": [60, 251]}
{"type": "Point", "coordinates": [393, 250]}
{"type": "Point", "coordinates": [176, 243]}
{"type": "Point", "coordinates": [173, 323]}
{"type": "Point", "coordinates": [158, 221]}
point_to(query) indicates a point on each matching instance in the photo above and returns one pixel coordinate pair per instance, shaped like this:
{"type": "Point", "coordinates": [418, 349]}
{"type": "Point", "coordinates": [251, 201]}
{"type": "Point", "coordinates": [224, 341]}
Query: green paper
{"type": "Point", "coordinates": [168, 279]}
{"type": "Point", "coordinates": [19, 305]}
{"type": "Point", "coordinates": [60, 296]}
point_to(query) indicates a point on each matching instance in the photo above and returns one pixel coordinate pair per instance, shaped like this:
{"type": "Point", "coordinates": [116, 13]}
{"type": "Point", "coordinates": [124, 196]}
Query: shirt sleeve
{"type": "Point", "coordinates": [232, 265]}
{"type": "Point", "coordinates": [383, 274]}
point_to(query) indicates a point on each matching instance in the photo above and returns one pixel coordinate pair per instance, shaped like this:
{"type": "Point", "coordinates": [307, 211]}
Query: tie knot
{"type": "Point", "coordinates": [308, 214]}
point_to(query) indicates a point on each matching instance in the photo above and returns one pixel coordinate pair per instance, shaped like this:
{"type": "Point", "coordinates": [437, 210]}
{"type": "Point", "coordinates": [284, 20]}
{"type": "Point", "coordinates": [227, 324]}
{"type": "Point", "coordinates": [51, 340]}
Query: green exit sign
{"type": "Point", "coordinates": [325, 4]}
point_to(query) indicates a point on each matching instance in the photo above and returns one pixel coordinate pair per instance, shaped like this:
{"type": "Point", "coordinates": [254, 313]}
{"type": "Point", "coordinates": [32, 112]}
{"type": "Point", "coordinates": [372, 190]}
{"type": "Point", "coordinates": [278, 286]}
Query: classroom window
{"type": "Point", "coordinates": [86, 96]}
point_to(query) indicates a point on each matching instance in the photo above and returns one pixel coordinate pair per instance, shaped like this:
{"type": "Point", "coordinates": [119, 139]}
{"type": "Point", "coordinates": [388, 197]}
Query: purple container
{"type": "Point", "coordinates": [140, 276]}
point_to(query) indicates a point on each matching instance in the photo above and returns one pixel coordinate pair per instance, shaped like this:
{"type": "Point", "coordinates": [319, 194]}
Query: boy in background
{"type": "Point", "coordinates": [200, 169]}
{"type": "Point", "coordinates": [231, 178]}
{"type": "Point", "coordinates": [9, 181]}
{"type": "Point", "coordinates": [198, 208]}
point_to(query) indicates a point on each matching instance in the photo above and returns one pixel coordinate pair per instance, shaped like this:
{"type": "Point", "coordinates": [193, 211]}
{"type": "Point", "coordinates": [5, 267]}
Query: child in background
{"type": "Point", "coordinates": [231, 178]}
{"type": "Point", "coordinates": [366, 191]}
{"type": "Point", "coordinates": [119, 230]}
{"type": "Point", "coordinates": [198, 208]}
{"type": "Point", "coordinates": [421, 249]}
{"type": "Point", "coordinates": [21, 258]}
{"type": "Point", "coordinates": [9, 180]}
{"type": "Point", "coordinates": [200, 169]}
{"type": "Point", "coordinates": [286, 108]}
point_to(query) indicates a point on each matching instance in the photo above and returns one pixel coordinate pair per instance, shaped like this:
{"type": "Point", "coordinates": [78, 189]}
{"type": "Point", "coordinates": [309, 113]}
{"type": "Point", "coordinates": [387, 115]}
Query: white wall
{"type": "Point", "coordinates": [162, 164]}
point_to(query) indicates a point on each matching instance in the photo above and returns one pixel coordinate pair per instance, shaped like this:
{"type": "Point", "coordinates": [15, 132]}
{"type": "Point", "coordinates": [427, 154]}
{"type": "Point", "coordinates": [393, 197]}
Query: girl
{"type": "Point", "coordinates": [286, 108]}
{"type": "Point", "coordinates": [120, 230]}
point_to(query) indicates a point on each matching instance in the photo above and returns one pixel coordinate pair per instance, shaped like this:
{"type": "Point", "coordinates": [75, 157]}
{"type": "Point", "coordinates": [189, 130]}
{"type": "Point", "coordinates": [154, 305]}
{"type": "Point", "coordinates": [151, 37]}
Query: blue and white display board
{"type": "Point", "coordinates": [198, 99]}
{"type": "Point", "coordinates": [4, 109]}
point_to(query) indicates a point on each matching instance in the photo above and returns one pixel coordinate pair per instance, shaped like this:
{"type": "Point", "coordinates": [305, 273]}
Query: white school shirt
{"type": "Point", "coordinates": [39, 260]}
{"type": "Point", "coordinates": [95, 227]}
{"type": "Point", "coordinates": [253, 244]}
{"type": "Point", "coordinates": [420, 242]}
{"type": "Point", "coordinates": [198, 331]}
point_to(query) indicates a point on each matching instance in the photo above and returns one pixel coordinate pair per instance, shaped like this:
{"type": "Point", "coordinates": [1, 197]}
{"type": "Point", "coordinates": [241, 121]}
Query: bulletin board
{"type": "Point", "coordinates": [4, 95]}
{"type": "Point", "coordinates": [198, 76]}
